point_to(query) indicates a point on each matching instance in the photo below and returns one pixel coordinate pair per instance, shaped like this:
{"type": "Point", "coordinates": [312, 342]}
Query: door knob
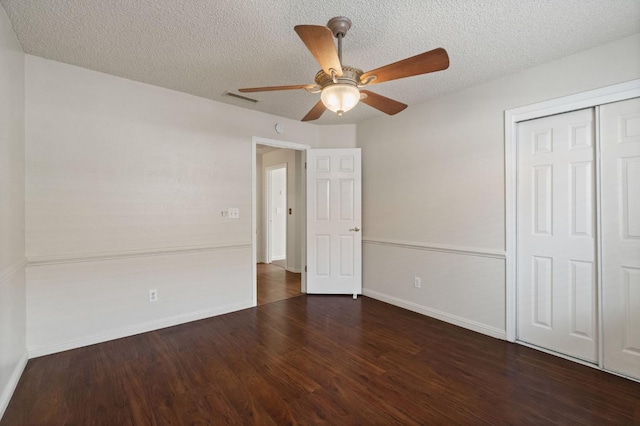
{"type": "Point", "coordinates": [356, 229]}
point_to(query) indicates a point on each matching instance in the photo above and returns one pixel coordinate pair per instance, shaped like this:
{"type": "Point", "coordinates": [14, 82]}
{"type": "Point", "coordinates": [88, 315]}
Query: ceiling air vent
{"type": "Point", "coordinates": [242, 98]}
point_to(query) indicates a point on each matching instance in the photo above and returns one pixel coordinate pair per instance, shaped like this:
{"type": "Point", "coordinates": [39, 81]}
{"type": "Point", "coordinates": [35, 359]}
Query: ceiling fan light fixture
{"type": "Point", "coordinates": [340, 97]}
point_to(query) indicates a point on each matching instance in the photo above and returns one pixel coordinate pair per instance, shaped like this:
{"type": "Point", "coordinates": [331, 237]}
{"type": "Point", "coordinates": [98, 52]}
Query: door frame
{"type": "Point", "coordinates": [257, 140]}
{"type": "Point", "coordinates": [268, 223]}
{"type": "Point", "coordinates": [588, 99]}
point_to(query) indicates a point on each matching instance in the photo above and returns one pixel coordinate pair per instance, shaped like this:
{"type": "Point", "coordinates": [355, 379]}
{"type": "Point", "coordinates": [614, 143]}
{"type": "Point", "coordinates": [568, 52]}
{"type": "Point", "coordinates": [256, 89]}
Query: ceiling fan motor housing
{"type": "Point", "coordinates": [339, 25]}
{"type": "Point", "coordinates": [350, 75]}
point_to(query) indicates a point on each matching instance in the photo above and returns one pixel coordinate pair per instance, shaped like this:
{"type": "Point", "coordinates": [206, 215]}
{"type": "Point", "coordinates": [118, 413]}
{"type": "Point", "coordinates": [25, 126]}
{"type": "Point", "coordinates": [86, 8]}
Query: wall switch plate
{"type": "Point", "coordinates": [153, 295]}
{"type": "Point", "coordinates": [417, 282]}
{"type": "Point", "coordinates": [234, 213]}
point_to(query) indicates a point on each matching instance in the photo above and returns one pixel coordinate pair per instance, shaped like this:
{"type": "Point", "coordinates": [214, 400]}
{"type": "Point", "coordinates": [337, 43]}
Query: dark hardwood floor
{"type": "Point", "coordinates": [276, 283]}
{"type": "Point", "coordinates": [317, 360]}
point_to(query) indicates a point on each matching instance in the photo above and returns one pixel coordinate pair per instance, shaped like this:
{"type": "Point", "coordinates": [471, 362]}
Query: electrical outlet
{"type": "Point", "coordinates": [153, 295]}
{"type": "Point", "coordinates": [234, 213]}
{"type": "Point", "coordinates": [224, 213]}
{"type": "Point", "coordinates": [417, 282]}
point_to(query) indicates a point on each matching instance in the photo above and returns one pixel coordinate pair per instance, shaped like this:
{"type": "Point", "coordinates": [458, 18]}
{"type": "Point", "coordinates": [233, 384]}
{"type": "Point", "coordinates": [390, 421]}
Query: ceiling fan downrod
{"type": "Point", "coordinates": [339, 27]}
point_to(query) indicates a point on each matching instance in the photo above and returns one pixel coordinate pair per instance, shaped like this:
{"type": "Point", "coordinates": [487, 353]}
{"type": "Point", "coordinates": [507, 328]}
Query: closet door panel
{"type": "Point", "coordinates": [556, 227]}
{"type": "Point", "coordinates": [620, 189]}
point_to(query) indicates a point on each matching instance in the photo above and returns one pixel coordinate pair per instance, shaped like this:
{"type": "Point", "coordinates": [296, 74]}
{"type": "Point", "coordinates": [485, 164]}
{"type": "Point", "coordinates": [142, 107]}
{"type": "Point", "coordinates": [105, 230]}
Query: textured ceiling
{"type": "Point", "coordinates": [208, 47]}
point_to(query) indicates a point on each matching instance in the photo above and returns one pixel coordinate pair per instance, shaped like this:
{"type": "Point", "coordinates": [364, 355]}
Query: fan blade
{"type": "Point", "coordinates": [319, 41]}
{"type": "Point", "coordinates": [273, 88]}
{"type": "Point", "coordinates": [434, 60]}
{"type": "Point", "coordinates": [384, 104]}
{"type": "Point", "coordinates": [315, 112]}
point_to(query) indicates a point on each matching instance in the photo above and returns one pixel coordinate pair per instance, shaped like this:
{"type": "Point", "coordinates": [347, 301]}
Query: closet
{"type": "Point", "coordinates": [578, 234]}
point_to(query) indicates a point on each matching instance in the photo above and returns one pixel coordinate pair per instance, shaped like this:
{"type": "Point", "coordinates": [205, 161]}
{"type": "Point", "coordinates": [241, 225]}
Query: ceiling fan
{"type": "Point", "coordinates": [340, 85]}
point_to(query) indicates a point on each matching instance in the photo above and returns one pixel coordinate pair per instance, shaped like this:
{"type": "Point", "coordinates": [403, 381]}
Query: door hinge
{"type": "Point", "coordinates": [305, 165]}
{"type": "Point", "coordinates": [305, 268]}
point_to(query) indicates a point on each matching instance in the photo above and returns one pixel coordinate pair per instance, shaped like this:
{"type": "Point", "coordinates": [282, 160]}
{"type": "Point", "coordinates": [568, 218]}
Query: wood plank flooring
{"type": "Point", "coordinates": [276, 283]}
{"type": "Point", "coordinates": [317, 360]}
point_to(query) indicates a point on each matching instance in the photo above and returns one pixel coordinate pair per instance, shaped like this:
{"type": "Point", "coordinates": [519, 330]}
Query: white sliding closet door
{"type": "Point", "coordinates": [620, 189]}
{"type": "Point", "coordinates": [557, 306]}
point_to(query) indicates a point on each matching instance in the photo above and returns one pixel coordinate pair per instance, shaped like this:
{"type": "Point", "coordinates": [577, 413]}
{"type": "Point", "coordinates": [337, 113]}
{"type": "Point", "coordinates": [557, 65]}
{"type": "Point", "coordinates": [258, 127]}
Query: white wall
{"type": "Point", "coordinates": [13, 347]}
{"type": "Point", "coordinates": [125, 185]}
{"type": "Point", "coordinates": [338, 136]}
{"type": "Point", "coordinates": [433, 188]}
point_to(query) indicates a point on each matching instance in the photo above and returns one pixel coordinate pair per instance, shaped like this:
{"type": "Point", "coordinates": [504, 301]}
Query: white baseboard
{"type": "Point", "coordinates": [295, 271]}
{"type": "Point", "coordinates": [442, 316]}
{"type": "Point", "coordinates": [145, 327]}
{"type": "Point", "coordinates": [8, 390]}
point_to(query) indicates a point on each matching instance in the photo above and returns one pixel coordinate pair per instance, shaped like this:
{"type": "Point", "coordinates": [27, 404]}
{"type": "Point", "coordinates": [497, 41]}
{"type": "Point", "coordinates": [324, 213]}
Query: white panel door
{"type": "Point", "coordinates": [620, 189]}
{"type": "Point", "coordinates": [334, 240]}
{"type": "Point", "coordinates": [556, 227]}
{"type": "Point", "coordinates": [277, 212]}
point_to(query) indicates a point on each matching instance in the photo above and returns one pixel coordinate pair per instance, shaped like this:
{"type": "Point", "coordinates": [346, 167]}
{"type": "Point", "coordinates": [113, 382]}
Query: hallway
{"type": "Point", "coordinates": [276, 283]}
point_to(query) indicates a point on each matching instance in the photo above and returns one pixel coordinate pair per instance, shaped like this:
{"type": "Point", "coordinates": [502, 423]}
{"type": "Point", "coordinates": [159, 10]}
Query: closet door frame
{"type": "Point", "coordinates": [589, 99]}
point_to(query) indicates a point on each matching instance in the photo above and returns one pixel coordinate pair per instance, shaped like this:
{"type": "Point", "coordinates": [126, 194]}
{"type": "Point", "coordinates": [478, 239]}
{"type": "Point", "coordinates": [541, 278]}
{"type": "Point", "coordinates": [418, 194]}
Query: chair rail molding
{"type": "Point", "coordinates": [34, 261]}
{"type": "Point", "coordinates": [465, 251]}
{"type": "Point", "coordinates": [11, 270]}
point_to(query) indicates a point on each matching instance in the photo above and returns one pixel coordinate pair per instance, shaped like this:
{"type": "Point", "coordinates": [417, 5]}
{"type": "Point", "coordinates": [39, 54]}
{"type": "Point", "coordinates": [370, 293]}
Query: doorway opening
{"type": "Point", "coordinates": [276, 200]}
{"type": "Point", "coordinates": [279, 220]}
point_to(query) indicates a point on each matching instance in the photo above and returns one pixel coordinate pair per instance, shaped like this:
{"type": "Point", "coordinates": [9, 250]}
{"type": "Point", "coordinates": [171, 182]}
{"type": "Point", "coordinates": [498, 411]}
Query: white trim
{"type": "Point", "coordinates": [598, 236]}
{"type": "Point", "coordinates": [434, 313]}
{"type": "Point", "coordinates": [11, 270]}
{"type": "Point", "coordinates": [466, 251]}
{"type": "Point", "coordinates": [589, 99]}
{"type": "Point", "coordinates": [132, 330]}
{"type": "Point", "coordinates": [125, 254]}
{"type": "Point", "coordinates": [257, 140]}
{"type": "Point", "coordinates": [254, 226]}
{"type": "Point", "coordinates": [10, 388]}
{"type": "Point", "coordinates": [511, 241]}
{"type": "Point", "coordinates": [295, 271]}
